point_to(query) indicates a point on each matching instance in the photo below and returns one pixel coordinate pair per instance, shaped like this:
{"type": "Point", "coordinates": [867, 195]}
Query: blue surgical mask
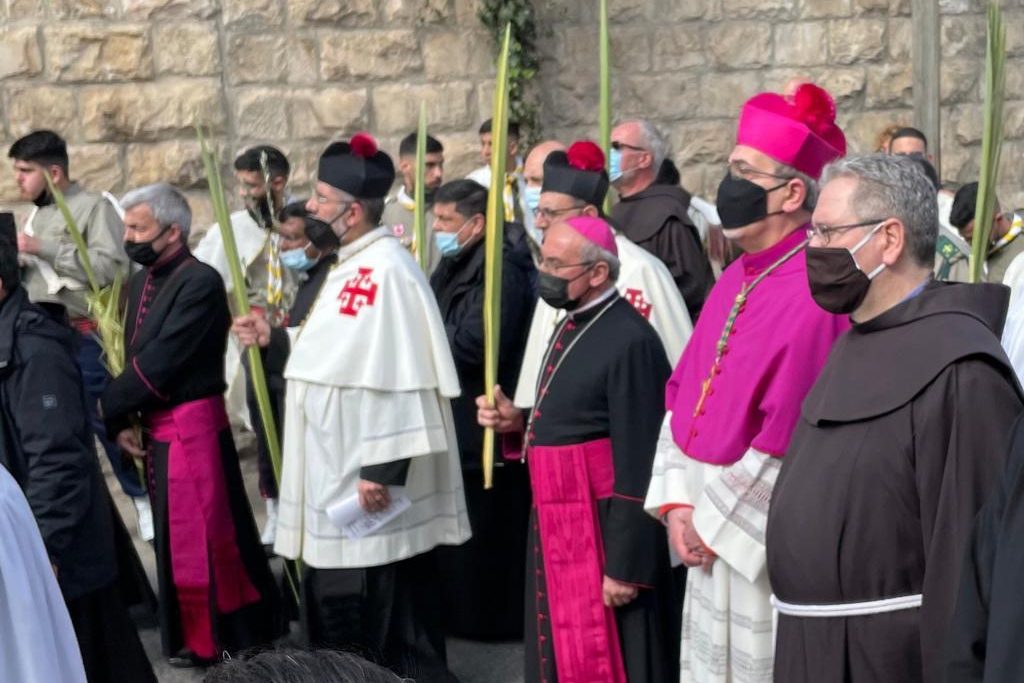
{"type": "Point", "coordinates": [448, 242]}
{"type": "Point", "coordinates": [531, 195]}
{"type": "Point", "coordinates": [297, 259]}
{"type": "Point", "coordinates": [615, 165]}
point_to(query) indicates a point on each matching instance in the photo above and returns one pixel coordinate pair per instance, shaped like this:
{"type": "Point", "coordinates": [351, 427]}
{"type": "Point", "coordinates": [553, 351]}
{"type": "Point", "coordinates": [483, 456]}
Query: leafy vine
{"type": "Point", "coordinates": [523, 62]}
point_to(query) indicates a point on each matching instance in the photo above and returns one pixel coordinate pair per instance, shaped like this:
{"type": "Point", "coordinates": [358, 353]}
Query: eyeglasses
{"type": "Point", "coordinates": [622, 145]}
{"type": "Point", "coordinates": [742, 170]}
{"type": "Point", "coordinates": [548, 214]}
{"type": "Point", "coordinates": [555, 266]}
{"type": "Point", "coordinates": [824, 232]}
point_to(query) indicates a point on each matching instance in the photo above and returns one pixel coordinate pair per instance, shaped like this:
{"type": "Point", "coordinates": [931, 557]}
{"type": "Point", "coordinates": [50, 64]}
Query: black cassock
{"type": "Point", "coordinates": [608, 384]}
{"type": "Point", "coordinates": [900, 441]}
{"type": "Point", "coordinates": [176, 332]}
{"type": "Point", "coordinates": [482, 579]}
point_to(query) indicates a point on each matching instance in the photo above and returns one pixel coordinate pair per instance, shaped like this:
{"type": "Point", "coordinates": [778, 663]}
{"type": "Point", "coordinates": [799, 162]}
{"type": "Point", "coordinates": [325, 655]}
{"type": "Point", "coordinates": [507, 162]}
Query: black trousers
{"type": "Point", "coordinates": [110, 645]}
{"type": "Point", "coordinates": [389, 614]}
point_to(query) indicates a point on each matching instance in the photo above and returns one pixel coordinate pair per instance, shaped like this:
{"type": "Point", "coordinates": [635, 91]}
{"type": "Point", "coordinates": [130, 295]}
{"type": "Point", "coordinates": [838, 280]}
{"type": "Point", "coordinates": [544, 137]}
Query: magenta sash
{"type": "Point", "coordinates": [204, 549]}
{"type": "Point", "coordinates": [567, 483]}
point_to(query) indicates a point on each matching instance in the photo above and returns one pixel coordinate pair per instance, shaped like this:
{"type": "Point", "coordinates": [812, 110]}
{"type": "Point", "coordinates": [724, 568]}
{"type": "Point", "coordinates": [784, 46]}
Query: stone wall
{"type": "Point", "coordinates": [126, 80]}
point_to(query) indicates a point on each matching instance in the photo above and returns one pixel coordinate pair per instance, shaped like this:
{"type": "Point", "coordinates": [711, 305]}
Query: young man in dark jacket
{"type": "Point", "coordinates": [47, 445]}
{"type": "Point", "coordinates": [483, 578]}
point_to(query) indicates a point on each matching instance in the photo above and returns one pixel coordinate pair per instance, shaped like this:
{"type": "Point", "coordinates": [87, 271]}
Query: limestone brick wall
{"type": "Point", "coordinates": [126, 80]}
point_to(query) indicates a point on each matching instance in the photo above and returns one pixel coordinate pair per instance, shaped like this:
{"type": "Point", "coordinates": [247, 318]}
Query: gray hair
{"type": "Point", "coordinates": [893, 186]}
{"type": "Point", "coordinates": [168, 205]}
{"type": "Point", "coordinates": [591, 253]}
{"type": "Point", "coordinates": [811, 185]}
{"type": "Point", "coordinates": [656, 143]}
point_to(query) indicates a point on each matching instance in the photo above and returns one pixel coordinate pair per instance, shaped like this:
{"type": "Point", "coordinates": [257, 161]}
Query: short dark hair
{"type": "Point", "coordinates": [513, 128]}
{"type": "Point", "coordinates": [407, 147]}
{"type": "Point", "coordinates": [469, 197]}
{"type": "Point", "coordinates": [296, 209]}
{"type": "Point", "coordinates": [277, 162]}
{"type": "Point", "coordinates": [908, 132]}
{"type": "Point", "coordinates": [42, 147]}
{"type": "Point", "coordinates": [300, 666]}
{"type": "Point", "coordinates": [373, 208]}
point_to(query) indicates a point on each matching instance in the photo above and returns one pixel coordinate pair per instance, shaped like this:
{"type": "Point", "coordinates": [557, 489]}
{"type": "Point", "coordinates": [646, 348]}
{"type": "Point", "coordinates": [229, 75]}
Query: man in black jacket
{"type": "Point", "coordinates": [47, 445]}
{"type": "Point", "coordinates": [483, 579]}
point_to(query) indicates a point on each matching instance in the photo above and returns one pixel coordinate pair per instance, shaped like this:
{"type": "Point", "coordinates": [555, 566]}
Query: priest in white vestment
{"type": "Point", "coordinates": [368, 418]}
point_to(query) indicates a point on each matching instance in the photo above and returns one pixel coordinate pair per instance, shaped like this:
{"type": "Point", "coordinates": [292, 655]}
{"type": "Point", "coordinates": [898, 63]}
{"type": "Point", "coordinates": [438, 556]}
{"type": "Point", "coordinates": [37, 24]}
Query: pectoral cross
{"type": "Point", "coordinates": [721, 347]}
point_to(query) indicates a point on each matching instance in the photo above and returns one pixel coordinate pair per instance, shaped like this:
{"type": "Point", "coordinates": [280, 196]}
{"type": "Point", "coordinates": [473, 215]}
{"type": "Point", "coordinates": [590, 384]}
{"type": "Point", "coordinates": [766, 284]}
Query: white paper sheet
{"type": "Point", "coordinates": [355, 522]}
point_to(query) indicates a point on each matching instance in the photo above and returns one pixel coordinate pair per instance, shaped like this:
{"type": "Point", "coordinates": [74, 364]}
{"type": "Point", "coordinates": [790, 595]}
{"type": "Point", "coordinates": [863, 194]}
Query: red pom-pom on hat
{"type": "Point", "coordinates": [814, 106]}
{"type": "Point", "coordinates": [363, 145]}
{"type": "Point", "coordinates": [585, 156]}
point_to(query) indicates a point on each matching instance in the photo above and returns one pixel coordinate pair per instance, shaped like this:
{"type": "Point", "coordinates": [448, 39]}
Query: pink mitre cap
{"type": "Point", "coordinates": [594, 230]}
{"type": "Point", "coordinates": [798, 130]}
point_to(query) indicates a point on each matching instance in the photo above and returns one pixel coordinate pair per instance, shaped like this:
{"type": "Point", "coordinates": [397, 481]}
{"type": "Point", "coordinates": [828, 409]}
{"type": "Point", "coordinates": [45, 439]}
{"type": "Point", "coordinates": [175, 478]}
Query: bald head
{"type": "Point", "coordinates": [533, 168]}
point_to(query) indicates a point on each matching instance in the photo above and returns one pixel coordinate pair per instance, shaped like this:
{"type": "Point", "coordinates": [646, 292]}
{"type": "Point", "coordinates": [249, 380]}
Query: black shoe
{"type": "Point", "coordinates": [186, 659]}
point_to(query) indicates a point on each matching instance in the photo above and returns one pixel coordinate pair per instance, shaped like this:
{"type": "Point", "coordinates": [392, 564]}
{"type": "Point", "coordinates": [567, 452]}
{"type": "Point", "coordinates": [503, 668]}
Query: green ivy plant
{"type": "Point", "coordinates": [523, 62]}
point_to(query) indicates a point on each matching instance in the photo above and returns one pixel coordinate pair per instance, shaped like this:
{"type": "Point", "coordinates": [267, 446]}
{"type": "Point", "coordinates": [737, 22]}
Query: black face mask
{"type": "Point", "coordinates": [321, 235]}
{"type": "Point", "coordinates": [428, 196]}
{"type": "Point", "coordinates": [143, 253]}
{"type": "Point", "coordinates": [44, 198]}
{"type": "Point", "coordinates": [741, 202]}
{"type": "Point", "coordinates": [555, 290]}
{"type": "Point", "coordinates": [837, 283]}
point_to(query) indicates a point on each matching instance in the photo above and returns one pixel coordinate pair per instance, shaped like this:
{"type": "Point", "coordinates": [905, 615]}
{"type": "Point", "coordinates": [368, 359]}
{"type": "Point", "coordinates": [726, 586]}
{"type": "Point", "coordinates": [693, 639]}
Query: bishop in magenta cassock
{"type": "Point", "coordinates": [735, 395]}
{"type": "Point", "coordinates": [597, 566]}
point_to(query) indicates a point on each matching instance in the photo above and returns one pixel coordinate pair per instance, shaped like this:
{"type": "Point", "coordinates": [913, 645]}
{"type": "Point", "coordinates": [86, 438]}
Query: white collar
{"type": "Point", "coordinates": [596, 302]}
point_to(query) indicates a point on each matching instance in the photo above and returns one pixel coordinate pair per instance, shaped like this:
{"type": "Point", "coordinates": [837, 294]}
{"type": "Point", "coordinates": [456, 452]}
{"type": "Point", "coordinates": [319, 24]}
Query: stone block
{"type": "Point", "coordinates": [303, 59]}
{"type": "Point", "coordinates": [177, 162]}
{"type": "Point", "coordinates": [451, 53]}
{"type": "Point", "coordinates": [370, 54]}
{"type": "Point", "coordinates": [83, 9]}
{"type": "Point", "coordinates": [665, 97]}
{"type": "Point", "coordinates": [668, 12]}
{"type": "Point", "coordinates": [10, 200]}
{"type": "Point", "coordinates": [98, 167]}
{"type": "Point", "coordinates": [889, 85]}
{"type": "Point", "coordinates": [262, 113]}
{"type": "Point", "coordinates": [30, 107]}
{"type": "Point", "coordinates": [150, 111]}
{"type": "Point", "coordinates": [1013, 120]}
{"type": "Point", "coordinates": [202, 215]}
{"type": "Point", "coordinates": [723, 94]}
{"type": "Point", "coordinates": [19, 52]}
{"type": "Point", "coordinates": [855, 40]}
{"type": "Point", "coordinates": [416, 12]}
{"type": "Point", "coordinates": [739, 44]}
{"type": "Point", "coordinates": [704, 141]}
{"type": "Point", "coordinates": [252, 12]}
{"type": "Point", "coordinates": [959, 81]}
{"type": "Point", "coordinates": [162, 9]}
{"type": "Point", "coordinates": [82, 52]}
{"type": "Point", "coordinates": [901, 36]}
{"type": "Point", "coordinates": [625, 11]}
{"type": "Point", "coordinates": [186, 49]}
{"type": "Point", "coordinates": [678, 47]}
{"type": "Point", "coordinates": [450, 106]}
{"type": "Point", "coordinates": [257, 58]}
{"type": "Point", "coordinates": [327, 112]}
{"type": "Point", "coordinates": [631, 49]}
{"type": "Point", "coordinates": [1014, 21]}
{"type": "Point", "coordinates": [304, 159]}
{"type": "Point", "coordinates": [801, 44]}
{"type": "Point", "coordinates": [845, 84]}
{"type": "Point", "coordinates": [333, 12]}
{"type": "Point", "coordinates": [871, 6]}
{"type": "Point", "coordinates": [461, 153]}
{"type": "Point", "coordinates": [963, 36]}
{"type": "Point", "coordinates": [762, 9]}
{"type": "Point", "coordinates": [26, 9]}
{"type": "Point", "coordinates": [697, 178]}
{"type": "Point", "coordinates": [819, 9]}
{"type": "Point", "coordinates": [862, 128]}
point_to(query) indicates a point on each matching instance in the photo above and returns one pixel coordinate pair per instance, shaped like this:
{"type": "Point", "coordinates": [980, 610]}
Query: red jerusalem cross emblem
{"type": "Point", "coordinates": [358, 292]}
{"type": "Point", "coordinates": [636, 298]}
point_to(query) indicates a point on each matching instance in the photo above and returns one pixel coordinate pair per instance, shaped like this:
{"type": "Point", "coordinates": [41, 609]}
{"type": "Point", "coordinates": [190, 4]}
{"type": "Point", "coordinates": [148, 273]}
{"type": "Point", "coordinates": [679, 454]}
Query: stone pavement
{"type": "Point", "coordinates": [471, 662]}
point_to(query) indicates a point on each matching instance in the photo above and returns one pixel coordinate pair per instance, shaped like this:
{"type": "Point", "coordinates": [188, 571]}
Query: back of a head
{"type": "Point", "coordinates": [908, 132]}
{"type": "Point", "coordinates": [42, 147]}
{"type": "Point", "coordinates": [277, 162]}
{"type": "Point", "coordinates": [300, 666]}
{"type": "Point", "coordinates": [407, 147]}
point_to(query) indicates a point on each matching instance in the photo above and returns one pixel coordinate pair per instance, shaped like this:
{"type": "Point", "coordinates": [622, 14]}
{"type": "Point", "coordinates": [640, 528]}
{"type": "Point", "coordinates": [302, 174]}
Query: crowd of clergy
{"type": "Point", "coordinates": [772, 436]}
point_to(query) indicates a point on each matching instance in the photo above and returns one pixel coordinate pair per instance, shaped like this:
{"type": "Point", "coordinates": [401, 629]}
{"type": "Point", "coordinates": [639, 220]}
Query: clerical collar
{"type": "Point", "coordinates": [758, 261]}
{"type": "Point", "coordinates": [573, 315]}
{"type": "Point", "coordinates": [172, 263]}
